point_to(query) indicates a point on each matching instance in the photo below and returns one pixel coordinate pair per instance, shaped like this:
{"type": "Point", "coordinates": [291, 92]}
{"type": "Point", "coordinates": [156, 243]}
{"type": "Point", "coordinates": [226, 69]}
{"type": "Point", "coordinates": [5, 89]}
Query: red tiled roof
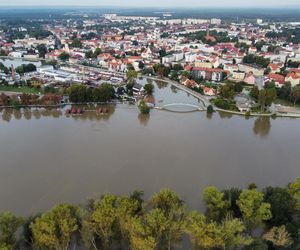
{"type": "Point", "coordinates": [208, 69]}
{"type": "Point", "coordinates": [276, 77]}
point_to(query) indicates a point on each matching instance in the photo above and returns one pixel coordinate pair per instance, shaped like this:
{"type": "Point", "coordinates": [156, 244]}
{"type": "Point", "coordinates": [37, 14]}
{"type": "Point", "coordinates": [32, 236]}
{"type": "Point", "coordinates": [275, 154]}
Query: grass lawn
{"type": "Point", "coordinates": [22, 89]}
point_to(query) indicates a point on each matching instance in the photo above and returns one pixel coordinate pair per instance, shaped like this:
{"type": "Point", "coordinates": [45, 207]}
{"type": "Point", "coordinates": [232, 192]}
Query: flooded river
{"type": "Point", "coordinates": [47, 157]}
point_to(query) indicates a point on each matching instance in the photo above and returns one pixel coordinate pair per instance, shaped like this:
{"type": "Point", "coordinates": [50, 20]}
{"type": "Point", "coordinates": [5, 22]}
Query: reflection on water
{"type": "Point", "coordinates": [161, 84]}
{"type": "Point", "coordinates": [209, 115]}
{"type": "Point", "coordinates": [174, 89]}
{"type": "Point", "coordinates": [144, 119]}
{"type": "Point", "coordinates": [225, 115]}
{"type": "Point", "coordinates": [262, 126]}
{"type": "Point", "coordinates": [34, 113]}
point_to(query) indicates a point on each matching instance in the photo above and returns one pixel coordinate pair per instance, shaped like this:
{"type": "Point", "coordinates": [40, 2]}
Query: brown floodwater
{"type": "Point", "coordinates": [47, 157]}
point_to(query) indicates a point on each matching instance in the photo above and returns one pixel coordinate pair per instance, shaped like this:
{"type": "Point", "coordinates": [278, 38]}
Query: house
{"type": "Point", "coordinates": [249, 78]}
{"type": "Point", "coordinates": [275, 68]}
{"type": "Point", "coordinates": [278, 79]}
{"type": "Point", "coordinates": [209, 91]}
{"type": "Point", "coordinates": [75, 59]}
{"type": "Point", "coordinates": [252, 50]}
{"type": "Point", "coordinates": [203, 64]}
{"type": "Point", "coordinates": [209, 74]}
{"type": "Point", "coordinates": [168, 59]}
{"type": "Point", "coordinates": [138, 89]}
{"type": "Point", "coordinates": [252, 79]}
{"type": "Point", "coordinates": [243, 103]}
{"type": "Point", "coordinates": [104, 56]}
{"type": "Point", "coordinates": [117, 65]}
{"type": "Point", "coordinates": [132, 59]}
{"type": "Point", "coordinates": [31, 56]}
{"type": "Point", "coordinates": [237, 76]}
{"type": "Point", "coordinates": [247, 68]}
{"type": "Point", "coordinates": [147, 54]}
{"type": "Point", "coordinates": [190, 83]}
{"type": "Point", "coordinates": [293, 78]}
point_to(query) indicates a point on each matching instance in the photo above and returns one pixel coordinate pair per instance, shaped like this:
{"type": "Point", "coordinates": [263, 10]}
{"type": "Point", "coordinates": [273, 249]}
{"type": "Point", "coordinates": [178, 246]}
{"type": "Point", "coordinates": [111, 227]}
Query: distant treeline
{"type": "Point", "coordinates": [234, 219]}
{"type": "Point", "coordinates": [15, 15]}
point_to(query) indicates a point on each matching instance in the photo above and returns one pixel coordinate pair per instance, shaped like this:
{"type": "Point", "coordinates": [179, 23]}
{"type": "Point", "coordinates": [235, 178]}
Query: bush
{"type": "Point", "coordinates": [221, 103]}
{"type": "Point", "coordinates": [144, 109]}
{"type": "Point", "coordinates": [210, 109]}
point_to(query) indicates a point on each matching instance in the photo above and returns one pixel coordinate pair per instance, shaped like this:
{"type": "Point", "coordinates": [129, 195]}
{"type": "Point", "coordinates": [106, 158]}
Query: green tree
{"type": "Point", "coordinates": [131, 75]}
{"type": "Point", "coordinates": [147, 230]}
{"type": "Point", "coordinates": [42, 49]}
{"type": "Point", "coordinates": [210, 109]}
{"type": "Point", "coordinates": [271, 95]}
{"type": "Point", "coordinates": [282, 205]}
{"type": "Point", "coordinates": [54, 229]}
{"type": "Point", "coordinates": [177, 67]}
{"type": "Point", "coordinates": [294, 190]}
{"type": "Point", "coordinates": [174, 213]}
{"type": "Point", "coordinates": [232, 195]}
{"type": "Point", "coordinates": [285, 91]}
{"type": "Point", "coordinates": [266, 97]}
{"type": "Point", "coordinates": [233, 234]}
{"type": "Point", "coordinates": [238, 87]}
{"type": "Point", "coordinates": [64, 56]}
{"type": "Point", "coordinates": [253, 208]}
{"type": "Point", "coordinates": [77, 93]}
{"type": "Point", "coordinates": [257, 244]}
{"type": "Point", "coordinates": [89, 54]}
{"type": "Point", "coordinates": [295, 94]}
{"type": "Point", "coordinates": [262, 96]}
{"type": "Point", "coordinates": [217, 207]}
{"type": "Point", "coordinates": [141, 65]}
{"type": "Point", "coordinates": [203, 235]}
{"type": "Point", "coordinates": [100, 222]}
{"type": "Point", "coordinates": [143, 107]}
{"type": "Point", "coordinates": [149, 88]}
{"type": "Point", "coordinates": [127, 209]}
{"type": "Point", "coordinates": [9, 224]}
{"type": "Point", "coordinates": [76, 43]}
{"type": "Point", "coordinates": [227, 91]}
{"type": "Point", "coordinates": [254, 93]}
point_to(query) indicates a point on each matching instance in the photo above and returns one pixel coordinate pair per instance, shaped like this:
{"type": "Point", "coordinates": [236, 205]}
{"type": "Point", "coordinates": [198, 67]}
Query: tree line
{"type": "Point", "coordinates": [81, 93]}
{"type": "Point", "coordinates": [234, 219]}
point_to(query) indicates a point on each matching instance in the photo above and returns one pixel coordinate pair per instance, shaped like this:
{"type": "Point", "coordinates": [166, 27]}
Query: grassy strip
{"type": "Point", "coordinates": [22, 89]}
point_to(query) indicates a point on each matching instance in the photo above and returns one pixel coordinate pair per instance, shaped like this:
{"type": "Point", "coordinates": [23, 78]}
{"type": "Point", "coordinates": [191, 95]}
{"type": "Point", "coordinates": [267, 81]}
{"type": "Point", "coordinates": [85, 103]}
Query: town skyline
{"type": "Point", "coordinates": [156, 3]}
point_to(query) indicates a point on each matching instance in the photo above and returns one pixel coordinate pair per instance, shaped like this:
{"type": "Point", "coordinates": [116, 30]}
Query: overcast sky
{"type": "Point", "coordinates": [155, 3]}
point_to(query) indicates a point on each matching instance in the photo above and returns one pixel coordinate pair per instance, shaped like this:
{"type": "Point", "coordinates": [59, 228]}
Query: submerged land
{"type": "Point", "coordinates": [98, 102]}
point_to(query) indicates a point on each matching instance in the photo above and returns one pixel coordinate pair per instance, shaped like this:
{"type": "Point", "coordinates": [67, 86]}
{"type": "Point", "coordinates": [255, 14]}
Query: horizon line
{"type": "Point", "coordinates": [149, 6]}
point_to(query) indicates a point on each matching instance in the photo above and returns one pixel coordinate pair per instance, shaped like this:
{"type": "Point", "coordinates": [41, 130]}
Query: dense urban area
{"type": "Point", "coordinates": [249, 66]}
{"type": "Point", "coordinates": [76, 61]}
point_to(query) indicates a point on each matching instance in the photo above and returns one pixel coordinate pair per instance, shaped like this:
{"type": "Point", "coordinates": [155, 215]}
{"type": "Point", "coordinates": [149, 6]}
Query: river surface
{"type": "Point", "coordinates": [48, 157]}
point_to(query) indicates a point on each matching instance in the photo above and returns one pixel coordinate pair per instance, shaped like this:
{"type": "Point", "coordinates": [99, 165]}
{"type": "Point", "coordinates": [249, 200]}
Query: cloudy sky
{"type": "Point", "coordinates": [155, 3]}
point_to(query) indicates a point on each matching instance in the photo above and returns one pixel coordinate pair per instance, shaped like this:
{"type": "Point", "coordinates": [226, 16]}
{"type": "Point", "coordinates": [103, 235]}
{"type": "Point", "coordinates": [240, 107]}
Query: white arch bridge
{"type": "Point", "coordinates": [181, 107]}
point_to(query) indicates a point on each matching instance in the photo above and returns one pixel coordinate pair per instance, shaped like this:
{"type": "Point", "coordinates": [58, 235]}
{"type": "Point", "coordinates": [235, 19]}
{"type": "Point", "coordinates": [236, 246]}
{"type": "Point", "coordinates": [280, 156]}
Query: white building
{"type": "Point", "coordinates": [215, 21]}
